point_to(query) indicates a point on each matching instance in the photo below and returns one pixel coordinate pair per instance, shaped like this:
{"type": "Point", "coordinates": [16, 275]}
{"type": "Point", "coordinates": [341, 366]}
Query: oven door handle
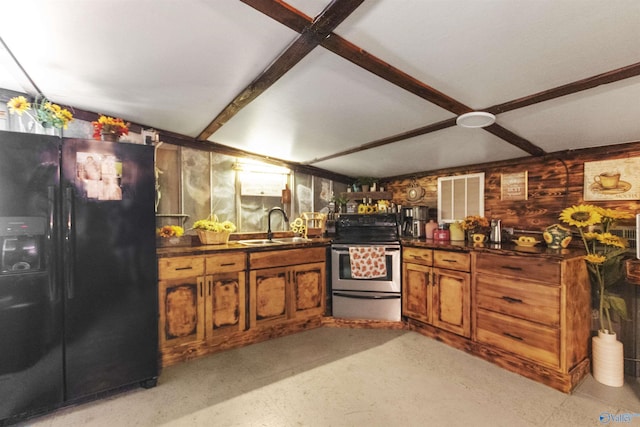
{"type": "Point", "coordinates": [380, 297]}
{"type": "Point", "coordinates": [345, 249]}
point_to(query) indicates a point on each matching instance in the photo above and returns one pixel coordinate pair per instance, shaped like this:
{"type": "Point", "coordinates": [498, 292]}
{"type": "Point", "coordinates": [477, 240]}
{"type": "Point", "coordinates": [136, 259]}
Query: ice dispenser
{"type": "Point", "coordinates": [22, 244]}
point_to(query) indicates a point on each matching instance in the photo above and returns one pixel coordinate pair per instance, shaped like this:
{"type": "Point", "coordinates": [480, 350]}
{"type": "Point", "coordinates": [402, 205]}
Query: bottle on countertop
{"type": "Point", "coordinates": [429, 228]}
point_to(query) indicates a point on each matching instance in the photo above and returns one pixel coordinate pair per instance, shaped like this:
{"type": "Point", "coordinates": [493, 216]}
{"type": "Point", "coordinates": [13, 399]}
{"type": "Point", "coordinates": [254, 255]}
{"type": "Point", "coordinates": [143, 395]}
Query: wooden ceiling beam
{"type": "Point", "coordinates": [310, 37]}
{"type": "Point", "coordinates": [612, 76]}
{"type": "Point", "coordinates": [384, 141]}
{"type": "Point", "coordinates": [296, 20]}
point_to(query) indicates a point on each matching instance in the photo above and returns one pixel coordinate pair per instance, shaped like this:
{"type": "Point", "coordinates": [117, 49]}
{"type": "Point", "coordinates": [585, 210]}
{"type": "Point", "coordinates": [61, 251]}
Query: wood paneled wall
{"type": "Point", "coordinates": [555, 181]}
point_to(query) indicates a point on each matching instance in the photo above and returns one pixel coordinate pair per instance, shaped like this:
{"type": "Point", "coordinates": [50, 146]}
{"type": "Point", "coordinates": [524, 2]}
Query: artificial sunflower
{"type": "Point", "coordinates": [605, 252]}
{"type": "Point", "coordinates": [581, 215]}
{"type": "Point", "coordinates": [595, 259]}
{"type": "Point", "coordinates": [612, 240]}
{"type": "Point", "coordinates": [18, 105]}
{"type": "Point", "coordinates": [170, 231]}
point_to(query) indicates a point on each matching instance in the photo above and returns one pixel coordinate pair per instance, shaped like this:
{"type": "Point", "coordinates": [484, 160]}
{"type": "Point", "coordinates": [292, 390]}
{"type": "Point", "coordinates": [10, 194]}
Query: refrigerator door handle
{"type": "Point", "coordinates": [49, 251]}
{"type": "Point", "coordinates": [68, 243]}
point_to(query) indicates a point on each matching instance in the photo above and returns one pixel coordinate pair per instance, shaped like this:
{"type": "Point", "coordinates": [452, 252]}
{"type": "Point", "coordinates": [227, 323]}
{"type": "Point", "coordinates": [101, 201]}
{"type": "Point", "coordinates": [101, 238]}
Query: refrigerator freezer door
{"type": "Point", "coordinates": [110, 264]}
{"type": "Point", "coordinates": [30, 296]}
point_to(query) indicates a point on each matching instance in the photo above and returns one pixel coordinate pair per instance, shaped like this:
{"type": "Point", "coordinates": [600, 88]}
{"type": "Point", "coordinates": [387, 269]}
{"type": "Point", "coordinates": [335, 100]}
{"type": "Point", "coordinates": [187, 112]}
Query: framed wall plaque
{"type": "Point", "coordinates": [612, 179]}
{"type": "Point", "coordinates": [513, 186]}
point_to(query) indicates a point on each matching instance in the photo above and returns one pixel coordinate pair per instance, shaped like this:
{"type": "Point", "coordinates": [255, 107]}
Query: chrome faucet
{"type": "Point", "coordinates": [276, 208]}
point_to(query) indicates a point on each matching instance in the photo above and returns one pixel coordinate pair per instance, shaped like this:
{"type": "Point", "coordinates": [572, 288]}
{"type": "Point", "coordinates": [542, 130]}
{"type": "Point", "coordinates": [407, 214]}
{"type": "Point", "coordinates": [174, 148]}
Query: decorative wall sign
{"type": "Point", "coordinates": [513, 186]}
{"type": "Point", "coordinates": [612, 179]}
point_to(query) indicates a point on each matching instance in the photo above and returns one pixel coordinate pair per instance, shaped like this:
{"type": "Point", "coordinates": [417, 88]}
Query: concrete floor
{"type": "Point", "coordinates": [351, 377]}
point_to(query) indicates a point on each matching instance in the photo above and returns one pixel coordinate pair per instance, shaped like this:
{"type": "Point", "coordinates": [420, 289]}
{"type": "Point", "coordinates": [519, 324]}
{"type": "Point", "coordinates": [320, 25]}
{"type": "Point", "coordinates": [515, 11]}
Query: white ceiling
{"type": "Point", "coordinates": [176, 65]}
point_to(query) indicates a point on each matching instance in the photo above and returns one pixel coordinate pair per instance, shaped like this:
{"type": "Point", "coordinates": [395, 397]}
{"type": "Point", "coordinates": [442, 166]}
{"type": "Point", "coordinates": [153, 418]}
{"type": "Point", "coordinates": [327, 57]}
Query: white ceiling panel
{"type": "Point", "coordinates": [171, 65]}
{"type": "Point", "coordinates": [487, 52]}
{"type": "Point", "coordinates": [322, 106]}
{"type": "Point", "coordinates": [446, 148]}
{"type": "Point", "coordinates": [608, 114]}
{"type": "Point", "coordinates": [176, 65]}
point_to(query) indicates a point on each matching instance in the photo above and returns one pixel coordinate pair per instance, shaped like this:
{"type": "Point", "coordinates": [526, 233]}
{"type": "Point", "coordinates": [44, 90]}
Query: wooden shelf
{"type": "Point", "coordinates": [375, 195]}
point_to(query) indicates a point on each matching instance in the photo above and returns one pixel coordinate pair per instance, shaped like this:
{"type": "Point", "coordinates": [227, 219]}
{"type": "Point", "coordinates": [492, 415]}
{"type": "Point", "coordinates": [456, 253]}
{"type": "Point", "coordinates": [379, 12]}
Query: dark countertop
{"type": "Point", "coordinates": [172, 251]}
{"type": "Point", "coordinates": [505, 248]}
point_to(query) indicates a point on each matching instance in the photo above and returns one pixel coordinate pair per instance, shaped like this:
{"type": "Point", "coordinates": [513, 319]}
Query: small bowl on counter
{"type": "Point", "coordinates": [526, 241]}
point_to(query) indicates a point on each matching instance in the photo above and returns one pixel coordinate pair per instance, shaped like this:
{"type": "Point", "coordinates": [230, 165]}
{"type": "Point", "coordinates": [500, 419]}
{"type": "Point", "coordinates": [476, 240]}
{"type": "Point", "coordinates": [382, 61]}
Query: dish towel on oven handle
{"type": "Point", "coordinates": [367, 262]}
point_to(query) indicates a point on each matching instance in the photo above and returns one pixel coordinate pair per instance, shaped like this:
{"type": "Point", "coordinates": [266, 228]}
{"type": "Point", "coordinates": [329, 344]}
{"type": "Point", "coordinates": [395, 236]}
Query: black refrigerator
{"type": "Point", "coordinates": [78, 276]}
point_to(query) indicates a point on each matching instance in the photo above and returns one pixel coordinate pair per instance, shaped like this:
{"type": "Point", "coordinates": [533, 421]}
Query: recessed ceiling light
{"type": "Point", "coordinates": [475, 119]}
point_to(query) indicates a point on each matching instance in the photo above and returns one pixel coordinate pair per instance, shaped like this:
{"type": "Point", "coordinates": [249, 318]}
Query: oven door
{"type": "Point", "coordinates": [341, 278]}
{"type": "Point", "coordinates": [366, 305]}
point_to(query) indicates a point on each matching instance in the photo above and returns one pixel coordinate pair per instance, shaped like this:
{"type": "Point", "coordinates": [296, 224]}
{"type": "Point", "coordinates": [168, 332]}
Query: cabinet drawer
{"type": "Point", "coordinates": [523, 299]}
{"type": "Point", "coordinates": [526, 339]}
{"type": "Point", "coordinates": [223, 263]}
{"type": "Point", "coordinates": [287, 257]}
{"type": "Point", "coordinates": [418, 256]}
{"type": "Point", "coordinates": [533, 268]}
{"type": "Point", "coordinates": [180, 267]}
{"type": "Point", "coordinates": [452, 260]}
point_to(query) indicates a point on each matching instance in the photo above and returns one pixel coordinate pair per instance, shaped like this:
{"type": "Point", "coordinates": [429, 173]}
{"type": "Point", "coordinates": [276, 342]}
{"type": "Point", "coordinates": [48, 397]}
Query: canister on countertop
{"type": "Point", "coordinates": [442, 233]}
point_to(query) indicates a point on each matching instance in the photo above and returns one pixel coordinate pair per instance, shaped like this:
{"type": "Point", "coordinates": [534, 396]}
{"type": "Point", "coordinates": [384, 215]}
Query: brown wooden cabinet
{"type": "Point", "coordinates": [286, 284]}
{"type": "Point", "coordinates": [225, 294]}
{"type": "Point", "coordinates": [181, 287]}
{"type": "Point", "coordinates": [202, 301]}
{"type": "Point", "coordinates": [436, 288]}
{"type": "Point", "coordinates": [536, 309]}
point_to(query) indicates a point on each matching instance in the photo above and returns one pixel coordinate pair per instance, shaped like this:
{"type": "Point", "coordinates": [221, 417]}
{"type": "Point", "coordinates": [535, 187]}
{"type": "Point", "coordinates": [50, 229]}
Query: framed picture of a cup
{"type": "Point", "coordinates": [612, 179]}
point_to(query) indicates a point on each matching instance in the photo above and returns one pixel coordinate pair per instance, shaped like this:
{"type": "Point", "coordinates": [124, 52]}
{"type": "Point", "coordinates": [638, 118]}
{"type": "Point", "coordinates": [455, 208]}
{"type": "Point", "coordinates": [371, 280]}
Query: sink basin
{"type": "Point", "coordinates": [259, 242]}
{"type": "Point", "coordinates": [287, 240]}
{"type": "Point", "coordinates": [266, 242]}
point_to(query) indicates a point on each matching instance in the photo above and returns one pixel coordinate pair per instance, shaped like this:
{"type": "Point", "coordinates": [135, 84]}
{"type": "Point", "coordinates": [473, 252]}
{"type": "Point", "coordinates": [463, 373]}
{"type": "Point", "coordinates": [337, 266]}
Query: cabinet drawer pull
{"type": "Point", "coordinates": [511, 300]}
{"type": "Point", "coordinates": [515, 337]}
{"type": "Point", "coordinates": [510, 267]}
{"type": "Point", "coordinates": [449, 260]}
{"type": "Point", "coordinates": [184, 268]}
{"type": "Point", "coordinates": [227, 264]}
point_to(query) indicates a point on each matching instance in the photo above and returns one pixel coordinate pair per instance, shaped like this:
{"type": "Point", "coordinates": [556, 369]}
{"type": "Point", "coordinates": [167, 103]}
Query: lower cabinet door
{"type": "Point", "coordinates": [451, 301]}
{"type": "Point", "coordinates": [181, 311]}
{"type": "Point", "coordinates": [416, 291]}
{"type": "Point", "coordinates": [225, 304]}
{"type": "Point", "coordinates": [308, 289]}
{"type": "Point", "coordinates": [268, 301]}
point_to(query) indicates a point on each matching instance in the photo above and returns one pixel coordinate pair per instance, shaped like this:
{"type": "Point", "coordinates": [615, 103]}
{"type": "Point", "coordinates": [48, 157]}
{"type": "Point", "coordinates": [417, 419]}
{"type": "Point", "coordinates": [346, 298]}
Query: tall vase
{"type": "Point", "coordinates": [608, 359]}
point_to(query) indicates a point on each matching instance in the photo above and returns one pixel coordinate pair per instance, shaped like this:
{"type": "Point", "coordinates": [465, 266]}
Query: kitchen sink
{"type": "Point", "coordinates": [273, 242]}
{"type": "Point", "coordinates": [287, 240]}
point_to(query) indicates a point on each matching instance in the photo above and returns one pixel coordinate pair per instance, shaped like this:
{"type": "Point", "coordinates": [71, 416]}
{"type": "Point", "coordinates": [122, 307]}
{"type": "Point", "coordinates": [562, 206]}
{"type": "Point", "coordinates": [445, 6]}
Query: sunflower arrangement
{"type": "Point", "coordinates": [168, 231]}
{"type": "Point", "coordinates": [474, 222]}
{"type": "Point", "coordinates": [213, 232]}
{"type": "Point", "coordinates": [605, 252]}
{"type": "Point", "coordinates": [44, 111]}
{"type": "Point", "coordinates": [214, 225]}
{"type": "Point", "coordinates": [112, 125]}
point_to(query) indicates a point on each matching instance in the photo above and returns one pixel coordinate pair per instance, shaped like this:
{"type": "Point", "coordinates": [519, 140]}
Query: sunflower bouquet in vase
{"type": "Point", "coordinates": [43, 114]}
{"type": "Point", "coordinates": [604, 258]}
{"type": "Point", "coordinates": [604, 255]}
{"type": "Point", "coordinates": [109, 128]}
